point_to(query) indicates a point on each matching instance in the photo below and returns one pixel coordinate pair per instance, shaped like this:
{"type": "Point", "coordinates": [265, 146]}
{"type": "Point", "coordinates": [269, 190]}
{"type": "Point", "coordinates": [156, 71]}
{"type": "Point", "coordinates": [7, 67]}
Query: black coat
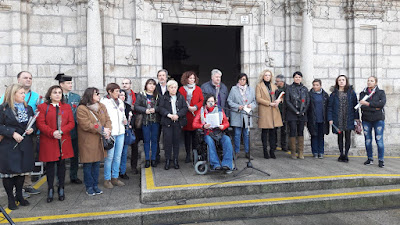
{"type": "Point", "coordinates": [21, 159]}
{"type": "Point", "coordinates": [311, 116]}
{"type": "Point", "coordinates": [333, 108]}
{"type": "Point", "coordinates": [297, 102]}
{"type": "Point", "coordinates": [166, 108]}
{"type": "Point", "coordinates": [282, 104]}
{"type": "Point", "coordinates": [375, 111]}
{"type": "Point", "coordinates": [141, 106]}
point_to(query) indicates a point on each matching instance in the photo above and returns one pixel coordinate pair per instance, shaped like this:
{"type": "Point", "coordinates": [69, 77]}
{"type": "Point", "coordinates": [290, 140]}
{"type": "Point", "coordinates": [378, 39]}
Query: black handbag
{"type": "Point", "coordinates": [130, 137]}
{"type": "Point", "coordinates": [108, 143]}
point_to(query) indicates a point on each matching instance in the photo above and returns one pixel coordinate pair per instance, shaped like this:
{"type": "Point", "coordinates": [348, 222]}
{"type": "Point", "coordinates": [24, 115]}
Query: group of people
{"type": "Point", "coordinates": [69, 126]}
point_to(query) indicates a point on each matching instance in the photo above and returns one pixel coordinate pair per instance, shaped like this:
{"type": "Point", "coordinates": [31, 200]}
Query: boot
{"type": "Point", "coordinates": [176, 164]}
{"type": "Point", "coordinates": [292, 146]}
{"type": "Point", "coordinates": [153, 163]}
{"type": "Point", "coordinates": [167, 164]}
{"type": "Point", "coordinates": [61, 194]}
{"type": "Point", "coordinates": [116, 182]}
{"type": "Point", "coordinates": [108, 184]}
{"type": "Point", "coordinates": [272, 154]}
{"type": "Point", "coordinates": [19, 183]}
{"type": "Point", "coordinates": [188, 158]}
{"type": "Point", "coordinates": [300, 146]}
{"type": "Point", "coordinates": [50, 194]}
{"type": "Point", "coordinates": [266, 155]}
{"type": "Point", "coordinates": [147, 164]}
{"type": "Point", "coordinates": [8, 184]}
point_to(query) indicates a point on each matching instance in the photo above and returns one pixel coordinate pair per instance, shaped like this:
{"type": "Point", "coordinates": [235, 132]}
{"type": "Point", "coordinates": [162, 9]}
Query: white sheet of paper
{"type": "Point", "coordinates": [247, 109]}
{"type": "Point", "coordinates": [213, 119]}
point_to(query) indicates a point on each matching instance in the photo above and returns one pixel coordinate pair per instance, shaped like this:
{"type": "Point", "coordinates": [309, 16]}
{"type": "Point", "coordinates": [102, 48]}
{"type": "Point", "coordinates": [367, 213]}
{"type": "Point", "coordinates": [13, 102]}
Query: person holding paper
{"type": "Point", "coordinates": [215, 134]}
{"type": "Point", "coordinates": [268, 110]}
{"type": "Point", "coordinates": [16, 162]}
{"type": "Point", "coordinates": [373, 117]}
{"type": "Point", "coordinates": [241, 100]}
{"type": "Point", "coordinates": [341, 113]}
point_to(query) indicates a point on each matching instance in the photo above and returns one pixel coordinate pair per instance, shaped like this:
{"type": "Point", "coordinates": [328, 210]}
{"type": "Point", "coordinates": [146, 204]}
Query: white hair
{"type": "Point", "coordinates": [215, 71]}
{"type": "Point", "coordinates": [172, 83]}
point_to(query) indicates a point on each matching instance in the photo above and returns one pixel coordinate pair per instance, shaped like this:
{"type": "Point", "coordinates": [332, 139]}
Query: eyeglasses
{"type": "Point", "coordinates": [97, 94]}
{"type": "Point", "coordinates": [125, 83]}
{"type": "Point", "coordinates": [243, 79]}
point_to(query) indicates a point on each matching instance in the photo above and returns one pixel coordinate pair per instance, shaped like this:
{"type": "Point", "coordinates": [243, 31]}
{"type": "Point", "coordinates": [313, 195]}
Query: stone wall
{"type": "Point", "coordinates": [46, 39]}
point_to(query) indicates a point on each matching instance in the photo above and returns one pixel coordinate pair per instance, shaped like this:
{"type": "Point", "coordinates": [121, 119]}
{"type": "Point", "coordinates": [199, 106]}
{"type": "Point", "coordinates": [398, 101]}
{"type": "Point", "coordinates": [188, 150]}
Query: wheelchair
{"type": "Point", "coordinates": [201, 159]}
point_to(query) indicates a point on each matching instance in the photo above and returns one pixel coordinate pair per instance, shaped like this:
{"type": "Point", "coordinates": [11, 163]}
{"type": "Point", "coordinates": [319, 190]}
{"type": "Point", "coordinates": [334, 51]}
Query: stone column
{"type": "Point", "coordinates": [307, 47]}
{"type": "Point", "coordinates": [94, 46]}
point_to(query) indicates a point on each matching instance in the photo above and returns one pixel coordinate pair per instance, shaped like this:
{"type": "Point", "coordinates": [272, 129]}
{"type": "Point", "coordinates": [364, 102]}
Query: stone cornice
{"type": "Point", "coordinates": [4, 7]}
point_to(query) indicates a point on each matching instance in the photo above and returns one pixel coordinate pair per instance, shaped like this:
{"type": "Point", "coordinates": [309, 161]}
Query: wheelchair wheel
{"type": "Point", "coordinates": [201, 167]}
{"type": "Point", "coordinates": [195, 156]}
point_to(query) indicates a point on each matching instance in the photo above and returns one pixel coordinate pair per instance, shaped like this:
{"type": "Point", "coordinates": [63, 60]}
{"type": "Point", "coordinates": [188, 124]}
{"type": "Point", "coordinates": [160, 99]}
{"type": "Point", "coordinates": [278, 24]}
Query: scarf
{"type": "Point", "coordinates": [242, 90]}
{"type": "Point", "coordinates": [22, 114]}
{"type": "Point", "coordinates": [94, 107]}
{"type": "Point", "coordinates": [189, 88]}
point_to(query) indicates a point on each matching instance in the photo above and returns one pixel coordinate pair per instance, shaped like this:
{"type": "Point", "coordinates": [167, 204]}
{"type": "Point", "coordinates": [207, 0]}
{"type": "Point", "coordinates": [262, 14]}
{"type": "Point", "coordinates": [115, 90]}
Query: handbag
{"type": "Point", "coordinates": [139, 120]}
{"type": "Point", "coordinates": [130, 137]}
{"type": "Point", "coordinates": [107, 143]}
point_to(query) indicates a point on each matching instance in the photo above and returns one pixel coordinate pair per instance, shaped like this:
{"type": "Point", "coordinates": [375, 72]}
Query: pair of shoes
{"type": "Point", "coordinates": [228, 171]}
{"type": "Point", "coordinates": [217, 168]}
{"type": "Point", "coordinates": [116, 182]}
{"type": "Point", "coordinates": [341, 158]}
{"type": "Point", "coordinates": [249, 156]}
{"type": "Point", "coordinates": [320, 156]}
{"type": "Point", "coordinates": [108, 184]}
{"type": "Point", "coordinates": [369, 162]}
{"type": "Point", "coordinates": [11, 204]}
{"type": "Point", "coordinates": [31, 190]}
{"type": "Point", "coordinates": [346, 158]}
{"type": "Point", "coordinates": [90, 191]}
{"type": "Point", "coordinates": [188, 158]}
{"type": "Point", "coordinates": [50, 195]}
{"type": "Point", "coordinates": [381, 165]}
{"type": "Point", "coordinates": [124, 176]}
{"type": "Point", "coordinates": [61, 194]}
{"type": "Point", "coordinates": [272, 154]}
{"type": "Point", "coordinates": [97, 190]}
{"type": "Point", "coordinates": [176, 164]}
{"type": "Point", "coordinates": [225, 168]}
{"type": "Point", "coordinates": [26, 194]}
{"type": "Point", "coordinates": [76, 181]}
{"type": "Point", "coordinates": [135, 171]}
{"type": "Point", "coordinates": [147, 164]}
{"type": "Point", "coordinates": [167, 164]}
{"type": "Point", "coordinates": [315, 156]}
{"type": "Point", "coordinates": [153, 163]}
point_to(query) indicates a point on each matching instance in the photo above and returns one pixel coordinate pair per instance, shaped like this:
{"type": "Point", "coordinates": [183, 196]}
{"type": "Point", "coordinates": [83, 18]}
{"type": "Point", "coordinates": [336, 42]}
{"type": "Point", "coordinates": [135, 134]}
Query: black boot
{"type": "Point", "coordinates": [153, 163]}
{"type": "Point", "coordinates": [188, 158]}
{"type": "Point", "coordinates": [266, 155]}
{"type": "Point", "coordinates": [50, 195]}
{"type": "Point", "coordinates": [272, 154]}
{"type": "Point", "coordinates": [61, 193]}
{"type": "Point", "coordinates": [147, 164]}
{"type": "Point", "coordinates": [176, 164]}
{"type": "Point", "coordinates": [19, 183]}
{"type": "Point", "coordinates": [8, 184]}
{"type": "Point", "coordinates": [167, 164]}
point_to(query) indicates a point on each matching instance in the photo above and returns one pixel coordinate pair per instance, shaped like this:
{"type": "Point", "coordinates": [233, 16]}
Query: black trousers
{"type": "Point", "coordinates": [296, 128]}
{"type": "Point", "coordinates": [135, 148]}
{"type": "Point", "coordinates": [284, 135]}
{"type": "Point", "coordinates": [158, 145]}
{"type": "Point", "coordinates": [172, 137]}
{"type": "Point", "coordinates": [347, 135]}
{"type": "Point", "coordinates": [50, 171]}
{"type": "Point", "coordinates": [271, 134]}
{"type": "Point", "coordinates": [190, 140]}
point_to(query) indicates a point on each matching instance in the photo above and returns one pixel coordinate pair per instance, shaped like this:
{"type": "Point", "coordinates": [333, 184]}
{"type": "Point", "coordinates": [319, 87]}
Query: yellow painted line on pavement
{"type": "Point", "coordinates": [151, 185]}
{"type": "Point", "coordinates": [193, 206]}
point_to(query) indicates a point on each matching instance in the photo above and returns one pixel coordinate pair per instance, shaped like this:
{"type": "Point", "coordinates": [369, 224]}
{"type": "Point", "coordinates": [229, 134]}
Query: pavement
{"type": "Point", "coordinates": [157, 196]}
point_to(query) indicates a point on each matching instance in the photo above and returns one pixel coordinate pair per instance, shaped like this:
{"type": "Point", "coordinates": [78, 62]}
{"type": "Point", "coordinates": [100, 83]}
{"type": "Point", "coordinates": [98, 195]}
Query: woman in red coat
{"type": "Point", "coordinates": [194, 99]}
{"type": "Point", "coordinates": [55, 121]}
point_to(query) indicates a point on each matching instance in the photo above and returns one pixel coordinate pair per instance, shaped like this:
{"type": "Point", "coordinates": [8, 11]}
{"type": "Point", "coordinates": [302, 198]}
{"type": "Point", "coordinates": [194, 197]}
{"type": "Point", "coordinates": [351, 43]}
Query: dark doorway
{"type": "Point", "coordinates": [201, 49]}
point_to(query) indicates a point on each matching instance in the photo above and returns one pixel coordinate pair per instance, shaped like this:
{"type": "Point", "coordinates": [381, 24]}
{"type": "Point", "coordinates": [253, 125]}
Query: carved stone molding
{"type": "Point", "coordinates": [369, 9]}
{"type": "Point", "coordinates": [4, 7]}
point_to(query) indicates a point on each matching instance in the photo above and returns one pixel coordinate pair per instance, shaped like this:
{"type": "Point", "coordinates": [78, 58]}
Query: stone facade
{"type": "Point", "coordinates": [339, 37]}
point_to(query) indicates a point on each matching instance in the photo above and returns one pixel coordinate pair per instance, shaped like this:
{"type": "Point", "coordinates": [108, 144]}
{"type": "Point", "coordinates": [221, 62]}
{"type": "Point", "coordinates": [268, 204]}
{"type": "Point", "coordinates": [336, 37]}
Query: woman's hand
{"type": "Point", "coordinates": [17, 137]}
{"type": "Point", "coordinates": [192, 109]}
{"type": "Point", "coordinates": [152, 110]}
{"type": "Point", "coordinates": [174, 117]}
{"type": "Point", "coordinates": [107, 132]}
{"type": "Point", "coordinates": [29, 131]}
{"type": "Point", "coordinates": [125, 122]}
{"type": "Point", "coordinates": [240, 108]}
{"type": "Point", "coordinates": [56, 134]}
{"type": "Point", "coordinates": [362, 102]}
{"type": "Point", "coordinates": [207, 126]}
{"type": "Point", "coordinates": [221, 127]}
{"type": "Point", "coordinates": [272, 104]}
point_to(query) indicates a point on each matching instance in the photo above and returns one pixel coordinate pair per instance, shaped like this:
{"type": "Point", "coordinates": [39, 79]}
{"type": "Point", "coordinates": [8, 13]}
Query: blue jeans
{"type": "Point", "coordinates": [91, 174]}
{"type": "Point", "coordinates": [227, 159]}
{"type": "Point", "coordinates": [238, 134]}
{"type": "Point", "coordinates": [378, 127]}
{"type": "Point", "coordinates": [150, 138]}
{"type": "Point", "coordinates": [317, 142]}
{"type": "Point", "coordinates": [113, 159]}
{"type": "Point", "coordinates": [124, 155]}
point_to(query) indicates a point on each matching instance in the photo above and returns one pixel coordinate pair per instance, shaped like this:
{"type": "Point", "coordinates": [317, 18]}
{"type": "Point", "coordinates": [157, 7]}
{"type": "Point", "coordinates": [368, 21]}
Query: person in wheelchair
{"type": "Point", "coordinates": [215, 133]}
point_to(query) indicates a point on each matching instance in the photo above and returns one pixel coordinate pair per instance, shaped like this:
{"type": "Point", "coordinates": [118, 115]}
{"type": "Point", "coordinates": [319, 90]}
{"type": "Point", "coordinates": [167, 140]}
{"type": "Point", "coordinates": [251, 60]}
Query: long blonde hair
{"type": "Point", "coordinates": [262, 76]}
{"type": "Point", "coordinates": [9, 96]}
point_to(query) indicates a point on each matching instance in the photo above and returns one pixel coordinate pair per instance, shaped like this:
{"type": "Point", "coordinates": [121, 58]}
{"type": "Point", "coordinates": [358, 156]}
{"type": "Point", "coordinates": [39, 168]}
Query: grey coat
{"type": "Point", "coordinates": [235, 100]}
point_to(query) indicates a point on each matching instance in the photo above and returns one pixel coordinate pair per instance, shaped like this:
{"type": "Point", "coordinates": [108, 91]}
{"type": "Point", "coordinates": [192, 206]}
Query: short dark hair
{"type": "Point", "coordinates": [48, 94]}
{"type": "Point", "coordinates": [317, 80]}
{"type": "Point", "coordinates": [207, 96]}
{"type": "Point", "coordinates": [19, 74]}
{"type": "Point", "coordinates": [87, 97]}
{"type": "Point", "coordinates": [297, 73]}
{"type": "Point", "coordinates": [241, 75]}
{"type": "Point", "coordinates": [111, 87]}
{"type": "Point", "coordinates": [151, 81]}
{"type": "Point", "coordinates": [186, 75]}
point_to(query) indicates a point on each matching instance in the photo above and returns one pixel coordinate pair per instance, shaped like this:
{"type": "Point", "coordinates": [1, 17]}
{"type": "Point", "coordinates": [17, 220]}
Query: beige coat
{"type": "Point", "coordinates": [89, 138]}
{"type": "Point", "coordinates": [270, 117]}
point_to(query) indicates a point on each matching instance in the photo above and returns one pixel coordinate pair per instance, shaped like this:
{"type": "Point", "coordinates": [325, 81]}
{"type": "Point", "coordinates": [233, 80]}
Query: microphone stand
{"type": "Point", "coordinates": [248, 164]}
{"type": "Point", "coordinates": [8, 218]}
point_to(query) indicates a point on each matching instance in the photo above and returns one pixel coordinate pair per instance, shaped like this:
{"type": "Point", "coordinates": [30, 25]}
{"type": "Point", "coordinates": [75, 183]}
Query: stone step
{"type": "Point", "coordinates": [152, 193]}
{"type": "Point", "coordinates": [236, 207]}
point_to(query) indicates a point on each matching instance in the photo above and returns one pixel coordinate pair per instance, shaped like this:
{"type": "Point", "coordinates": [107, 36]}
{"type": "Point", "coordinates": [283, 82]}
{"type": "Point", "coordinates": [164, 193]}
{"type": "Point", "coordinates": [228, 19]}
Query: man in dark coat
{"type": "Point", "coordinates": [218, 89]}
{"type": "Point", "coordinates": [161, 87]}
{"type": "Point", "coordinates": [281, 84]}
